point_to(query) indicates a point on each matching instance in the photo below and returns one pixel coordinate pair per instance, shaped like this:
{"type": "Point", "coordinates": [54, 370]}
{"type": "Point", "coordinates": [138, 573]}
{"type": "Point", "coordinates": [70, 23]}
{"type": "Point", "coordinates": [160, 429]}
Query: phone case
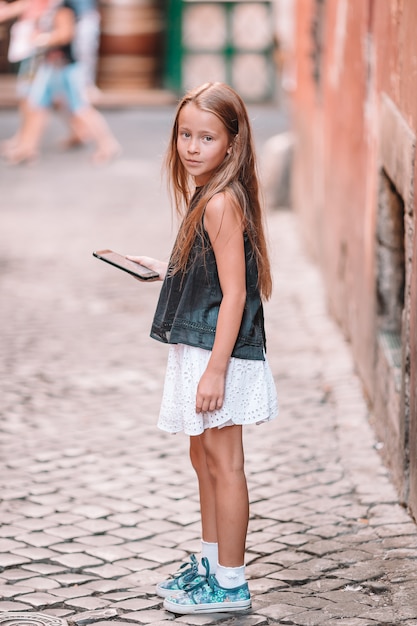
{"type": "Point", "coordinates": [132, 268]}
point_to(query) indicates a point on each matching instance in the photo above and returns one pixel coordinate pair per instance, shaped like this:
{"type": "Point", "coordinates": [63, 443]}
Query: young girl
{"type": "Point", "coordinates": [210, 311]}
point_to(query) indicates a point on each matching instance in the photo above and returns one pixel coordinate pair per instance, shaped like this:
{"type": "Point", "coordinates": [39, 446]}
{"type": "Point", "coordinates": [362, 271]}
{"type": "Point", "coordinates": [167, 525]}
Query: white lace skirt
{"type": "Point", "coordinates": [250, 394]}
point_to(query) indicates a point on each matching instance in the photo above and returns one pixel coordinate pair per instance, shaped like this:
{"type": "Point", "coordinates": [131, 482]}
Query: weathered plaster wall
{"type": "Point", "coordinates": [355, 117]}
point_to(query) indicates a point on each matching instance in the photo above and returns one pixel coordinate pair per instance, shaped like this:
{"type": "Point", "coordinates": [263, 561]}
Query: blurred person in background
{"type": "Point", "coordinates": [20, 51]}
{"type": "Point", "coordinates": [86, 41]}
{"type": "Point", "coordinates": [85, 47]}
{"type": "Point", "coordinates": [55, 78]}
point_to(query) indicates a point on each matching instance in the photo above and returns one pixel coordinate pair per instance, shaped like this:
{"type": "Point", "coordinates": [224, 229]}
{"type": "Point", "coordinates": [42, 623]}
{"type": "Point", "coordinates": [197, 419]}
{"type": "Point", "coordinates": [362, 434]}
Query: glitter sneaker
{"type": "Point", "coordinates": [186, 575]}
{"type": "Point", "coordinates": [206, 596]}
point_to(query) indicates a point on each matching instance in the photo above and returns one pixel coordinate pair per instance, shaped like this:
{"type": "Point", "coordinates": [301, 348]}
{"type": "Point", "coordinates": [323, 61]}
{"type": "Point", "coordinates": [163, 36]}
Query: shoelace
{"type": "Point", "coordinates": [206, 578]}
{"type": "Point", "coordinates": [186, 569]}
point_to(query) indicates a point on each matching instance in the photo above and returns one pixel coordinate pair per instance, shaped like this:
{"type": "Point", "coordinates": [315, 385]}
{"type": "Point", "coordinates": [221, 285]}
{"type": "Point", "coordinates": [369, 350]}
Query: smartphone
{"type": "Point", "coordinates": [118, 260]}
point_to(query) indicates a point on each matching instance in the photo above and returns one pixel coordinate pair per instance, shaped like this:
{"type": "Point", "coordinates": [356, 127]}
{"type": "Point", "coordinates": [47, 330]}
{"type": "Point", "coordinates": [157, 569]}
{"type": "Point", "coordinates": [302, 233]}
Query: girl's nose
{"type": "Point", "coordinates": [193, 146]}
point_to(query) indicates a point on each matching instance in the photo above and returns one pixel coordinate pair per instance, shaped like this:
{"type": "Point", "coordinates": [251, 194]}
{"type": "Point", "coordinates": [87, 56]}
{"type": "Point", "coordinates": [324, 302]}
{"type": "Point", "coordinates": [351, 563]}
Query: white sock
{"type": "Point", "coordinates": [211, 552]}
{"type": "Point", "coordinates": [230, 577]}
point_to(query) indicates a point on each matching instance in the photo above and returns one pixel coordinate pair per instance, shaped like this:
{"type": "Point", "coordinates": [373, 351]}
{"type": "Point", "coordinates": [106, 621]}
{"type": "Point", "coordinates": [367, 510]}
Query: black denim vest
{"type": "Point", "coordinates": [189, 303]}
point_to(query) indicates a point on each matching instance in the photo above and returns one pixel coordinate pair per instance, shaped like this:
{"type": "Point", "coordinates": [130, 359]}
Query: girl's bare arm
{"type": "Point", "coordinates": [223, 224]}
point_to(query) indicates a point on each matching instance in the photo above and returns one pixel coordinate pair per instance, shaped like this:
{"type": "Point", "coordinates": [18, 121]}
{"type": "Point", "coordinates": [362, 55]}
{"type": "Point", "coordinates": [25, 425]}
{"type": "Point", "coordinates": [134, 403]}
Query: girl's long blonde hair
{"type": "Point", "coordinates": [236, 176]}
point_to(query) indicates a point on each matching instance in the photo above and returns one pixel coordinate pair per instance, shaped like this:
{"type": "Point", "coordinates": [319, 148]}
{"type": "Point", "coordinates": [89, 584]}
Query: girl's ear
{"type": "Point", "coordinates": [229, 149]}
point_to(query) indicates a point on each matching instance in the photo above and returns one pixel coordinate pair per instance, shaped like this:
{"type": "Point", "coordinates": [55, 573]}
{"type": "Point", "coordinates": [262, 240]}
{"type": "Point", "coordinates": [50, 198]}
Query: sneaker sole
{"type": "Point", "coordinates": [223, 607]}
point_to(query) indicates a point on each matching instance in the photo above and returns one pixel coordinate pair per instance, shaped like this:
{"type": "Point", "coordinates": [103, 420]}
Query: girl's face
{"type": "Point", "coordinates": [202, 142]}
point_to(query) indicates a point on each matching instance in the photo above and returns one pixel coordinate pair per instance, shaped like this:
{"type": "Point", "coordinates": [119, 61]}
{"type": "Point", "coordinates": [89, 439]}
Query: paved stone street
{"type": "Point", "coordinates": [97, 505]}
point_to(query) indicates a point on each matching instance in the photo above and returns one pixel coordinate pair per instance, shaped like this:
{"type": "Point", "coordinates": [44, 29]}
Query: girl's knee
{"type": "Point", "coordinates": [224, 445]}
{"type": "Point", "coordinates": [204, 457]}
{"type": "Point", "coordinates": [197, 454]}
{"type": "Point", "coordinates": [224, 456]}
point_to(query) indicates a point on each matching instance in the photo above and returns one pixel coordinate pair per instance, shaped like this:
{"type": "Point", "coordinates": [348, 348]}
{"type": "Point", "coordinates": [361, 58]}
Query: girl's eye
{"type": "Point", "coordinates": [207, 138]}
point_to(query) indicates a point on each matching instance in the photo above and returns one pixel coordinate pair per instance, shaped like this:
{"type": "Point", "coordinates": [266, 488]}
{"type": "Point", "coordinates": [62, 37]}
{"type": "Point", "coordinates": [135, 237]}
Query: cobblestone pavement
{"type": "Point", "coordinates": [97, 505]}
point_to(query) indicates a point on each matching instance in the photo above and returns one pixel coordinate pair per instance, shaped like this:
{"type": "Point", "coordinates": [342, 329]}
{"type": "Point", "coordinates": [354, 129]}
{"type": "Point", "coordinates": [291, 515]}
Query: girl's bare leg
{"type": "Point", "coordinates": [225, 464]}
{"type": "Point", "coordinates": [206, 490]}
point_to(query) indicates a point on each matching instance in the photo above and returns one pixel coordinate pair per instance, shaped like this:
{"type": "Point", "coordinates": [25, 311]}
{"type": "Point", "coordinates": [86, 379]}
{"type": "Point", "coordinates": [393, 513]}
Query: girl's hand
{"type": "Point", "coordinates": [158, 266]}
{"type": "Point", "coordinates": [210, 392]}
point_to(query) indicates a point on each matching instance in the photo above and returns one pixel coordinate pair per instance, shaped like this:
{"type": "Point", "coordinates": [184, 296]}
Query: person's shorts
{"type": "Point", "coordinates": [55, 84]}
{"type": "Point", "coordinates": [25, 76]}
